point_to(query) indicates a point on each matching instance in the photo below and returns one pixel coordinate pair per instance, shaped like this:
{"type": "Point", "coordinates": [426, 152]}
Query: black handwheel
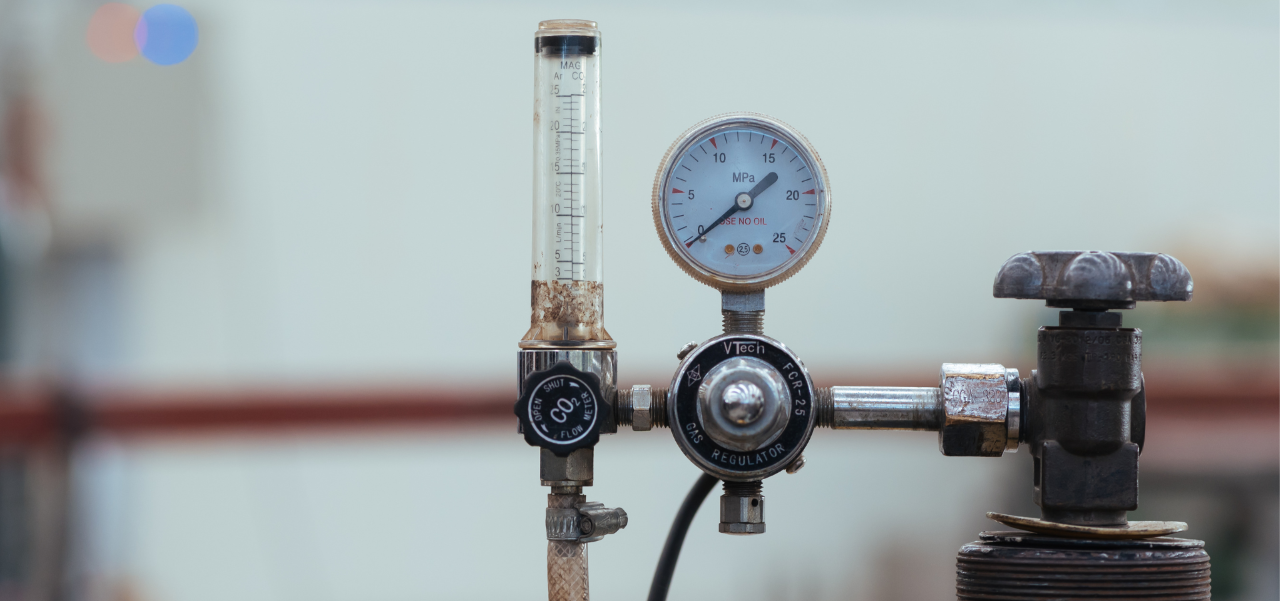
{"type": "Point", "coordinates": [562, 409]}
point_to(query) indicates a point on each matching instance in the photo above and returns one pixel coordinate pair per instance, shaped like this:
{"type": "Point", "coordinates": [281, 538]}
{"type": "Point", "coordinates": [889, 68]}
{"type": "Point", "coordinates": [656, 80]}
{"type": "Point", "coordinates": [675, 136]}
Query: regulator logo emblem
{"type": "Point", "coordinates": [695, 374]}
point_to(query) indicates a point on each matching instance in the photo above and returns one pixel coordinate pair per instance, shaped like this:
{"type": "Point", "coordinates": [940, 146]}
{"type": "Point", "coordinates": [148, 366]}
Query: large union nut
{"type": "Point", "coordinates": [975, 402]}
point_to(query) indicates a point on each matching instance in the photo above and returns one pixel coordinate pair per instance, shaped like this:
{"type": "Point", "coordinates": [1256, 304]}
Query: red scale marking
{"type": "Point", "coordinates": [713, 144]}
{"type": "Point", "coordinates": [775, 143]}
{"type": "Point", "coordinates": [793, 251]}
{"type": "Point", "coordinates": [679, 191]}
{"type": "Point", "coordinates": [810, 191]}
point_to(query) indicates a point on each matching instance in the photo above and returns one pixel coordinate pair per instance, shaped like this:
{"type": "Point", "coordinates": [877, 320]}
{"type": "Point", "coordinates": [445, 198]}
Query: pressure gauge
{"type": "Point", "coordinates": [741, 202]}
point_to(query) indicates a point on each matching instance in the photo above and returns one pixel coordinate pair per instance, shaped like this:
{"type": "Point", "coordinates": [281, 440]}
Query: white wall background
{"type": "Point", "coordinates": [363, 173]}
{"type": "Point", "coordinates": [357, 211]}
{"type": "Point", "coordinates": [869, 517]}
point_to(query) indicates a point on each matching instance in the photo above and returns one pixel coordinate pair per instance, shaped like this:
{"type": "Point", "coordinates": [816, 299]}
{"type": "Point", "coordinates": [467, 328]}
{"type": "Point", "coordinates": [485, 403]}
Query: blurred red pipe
{"type": "Point", "coordinates": [160, 412]}
{"type": "Point", "coordinates": [30, 416]}
{"type": "Point", "coordinates": [34, 414]}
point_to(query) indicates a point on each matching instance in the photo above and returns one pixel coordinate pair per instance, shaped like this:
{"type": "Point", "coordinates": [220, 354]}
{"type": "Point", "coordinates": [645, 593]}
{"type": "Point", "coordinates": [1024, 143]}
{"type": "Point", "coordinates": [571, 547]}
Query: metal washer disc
{"type": "Point", "coordinates": [1133, 530]}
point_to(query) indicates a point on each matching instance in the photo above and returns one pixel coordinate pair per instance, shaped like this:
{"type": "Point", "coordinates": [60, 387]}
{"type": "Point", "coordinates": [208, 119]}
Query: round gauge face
{"type": "Point", "coordinates": [741, 202]}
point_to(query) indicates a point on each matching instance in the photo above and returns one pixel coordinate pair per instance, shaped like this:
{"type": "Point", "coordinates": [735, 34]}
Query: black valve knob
{"type": "Point", "coordinates": [562, 409]}
{"type": "Point", "coordinates": [1093, 280]}
{"type": "Point", "coordinates": [1084, 408]}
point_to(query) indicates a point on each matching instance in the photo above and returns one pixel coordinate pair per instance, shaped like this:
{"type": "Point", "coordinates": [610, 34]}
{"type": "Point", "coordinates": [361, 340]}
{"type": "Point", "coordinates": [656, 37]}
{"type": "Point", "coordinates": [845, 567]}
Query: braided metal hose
{"type": "Point", "coordinates": [567, 571]}
{"type": "Point", "coordinates": [566, 561]}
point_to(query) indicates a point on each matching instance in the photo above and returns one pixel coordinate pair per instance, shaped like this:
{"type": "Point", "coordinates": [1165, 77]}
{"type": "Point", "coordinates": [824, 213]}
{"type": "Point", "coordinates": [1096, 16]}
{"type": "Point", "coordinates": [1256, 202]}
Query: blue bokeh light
{"type": "Point", "coordinates": [166, 34]}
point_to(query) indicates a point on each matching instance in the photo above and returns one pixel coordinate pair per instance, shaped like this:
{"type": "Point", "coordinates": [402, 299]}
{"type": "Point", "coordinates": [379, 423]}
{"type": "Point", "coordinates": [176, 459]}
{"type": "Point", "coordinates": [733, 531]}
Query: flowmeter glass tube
{"type": "Point", "coordinates": [568, 220]}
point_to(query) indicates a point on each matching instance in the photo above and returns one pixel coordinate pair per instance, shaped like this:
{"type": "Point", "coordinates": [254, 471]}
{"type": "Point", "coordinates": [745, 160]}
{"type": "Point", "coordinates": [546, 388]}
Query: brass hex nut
{"type": "Point", "coordinates": [975, 403]}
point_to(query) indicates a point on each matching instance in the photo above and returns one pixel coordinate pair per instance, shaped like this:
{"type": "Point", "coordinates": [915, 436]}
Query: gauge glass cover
{"type": "Point", "coordinates": [741, 201]}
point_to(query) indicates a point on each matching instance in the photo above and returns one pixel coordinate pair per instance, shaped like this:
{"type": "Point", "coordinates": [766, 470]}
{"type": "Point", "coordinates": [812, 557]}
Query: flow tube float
{"type": "Point", "coordinates": [568, 220]}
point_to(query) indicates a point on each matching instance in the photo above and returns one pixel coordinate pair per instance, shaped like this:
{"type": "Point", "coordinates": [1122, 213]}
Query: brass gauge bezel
{"type": "Point", "coordinates": [678, 253]}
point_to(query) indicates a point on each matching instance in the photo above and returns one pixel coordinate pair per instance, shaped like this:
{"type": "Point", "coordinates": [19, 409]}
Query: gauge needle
{"type": "Point", "coordinates": [741, 203]}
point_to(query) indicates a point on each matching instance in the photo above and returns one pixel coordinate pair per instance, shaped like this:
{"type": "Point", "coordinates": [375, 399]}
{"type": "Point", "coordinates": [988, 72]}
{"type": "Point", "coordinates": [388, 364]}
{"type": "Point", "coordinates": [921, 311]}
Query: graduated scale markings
{"type": "Point", "coordinates": [742, 201]}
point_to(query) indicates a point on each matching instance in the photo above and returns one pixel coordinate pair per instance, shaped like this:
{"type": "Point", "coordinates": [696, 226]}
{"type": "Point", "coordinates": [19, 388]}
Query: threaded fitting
{"type": "Point", "coordinates": [742, 508]}
{"type": "Point", "coordinates": [1009, 565]}
{"type": "Point", "coordinates": [659, 411]}
{"type": "Point", "coordinates": [743, 489]}
{"type": "Point", "coordinates": [743, 322]}
{"type": "Point", "coordinates": [825, 405]}
{"type": "Point", "coordinates": [624, 408]}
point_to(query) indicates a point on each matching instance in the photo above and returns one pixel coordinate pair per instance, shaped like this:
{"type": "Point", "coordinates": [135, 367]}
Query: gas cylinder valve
{"type": "Point", "coordinates": [1086, 407]}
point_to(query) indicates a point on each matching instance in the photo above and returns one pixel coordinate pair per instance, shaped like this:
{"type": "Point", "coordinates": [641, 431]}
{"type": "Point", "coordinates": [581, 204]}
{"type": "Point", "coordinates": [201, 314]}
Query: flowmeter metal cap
{"type": "Point", "coordinates": [562, 409]}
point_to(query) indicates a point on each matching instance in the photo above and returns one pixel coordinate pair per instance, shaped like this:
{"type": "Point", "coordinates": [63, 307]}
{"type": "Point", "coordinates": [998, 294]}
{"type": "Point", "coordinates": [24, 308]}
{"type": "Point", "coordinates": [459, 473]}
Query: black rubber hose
{"type": "Point", "coordinates": [675, 539]}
